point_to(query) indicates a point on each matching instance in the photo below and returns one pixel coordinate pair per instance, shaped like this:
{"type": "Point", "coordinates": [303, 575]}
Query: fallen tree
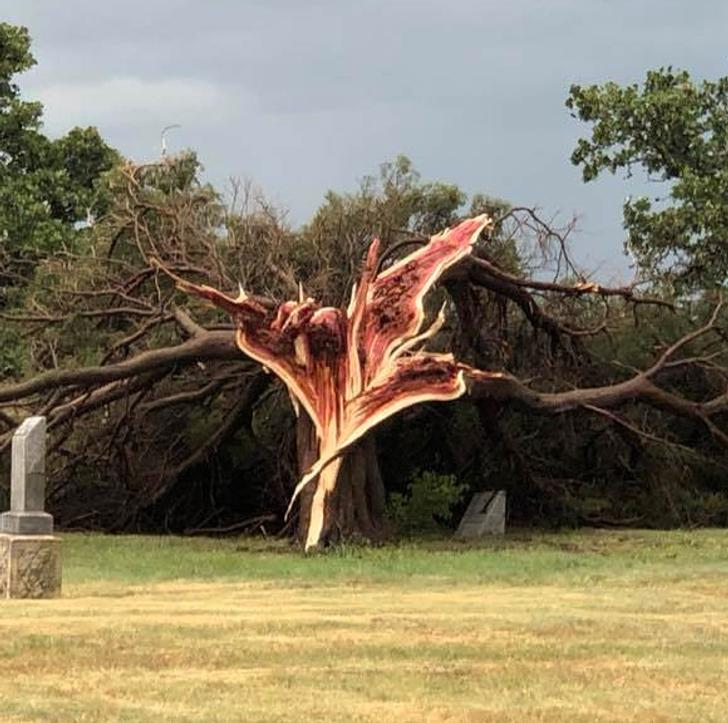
{"type": "Point", "coordinates": [352, 369]}
{"type": "Point", "coordinates": [156, 359]}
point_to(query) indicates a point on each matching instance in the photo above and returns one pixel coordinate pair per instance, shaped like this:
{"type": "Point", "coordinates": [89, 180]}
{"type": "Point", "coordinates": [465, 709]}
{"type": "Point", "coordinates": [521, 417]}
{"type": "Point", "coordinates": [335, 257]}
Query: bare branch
{"type": "Point", "coordinates": [580, 289]}
{"type": "Point", "coordinates": [507, 389]}
{"type": "Point", "coordinates": [207, 346]}
{"type": "Point", "coordinates": [684, 341]}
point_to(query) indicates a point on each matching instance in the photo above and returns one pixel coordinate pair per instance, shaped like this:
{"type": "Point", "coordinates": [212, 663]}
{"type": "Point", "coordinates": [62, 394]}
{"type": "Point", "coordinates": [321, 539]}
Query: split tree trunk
{"type": "Point", "coordinates": [356, 507]}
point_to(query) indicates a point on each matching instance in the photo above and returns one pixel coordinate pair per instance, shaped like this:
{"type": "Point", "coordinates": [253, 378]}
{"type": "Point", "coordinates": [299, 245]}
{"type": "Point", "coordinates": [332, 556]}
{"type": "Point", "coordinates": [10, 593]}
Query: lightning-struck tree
{"type": "Point", "coordinates": [351, 369]}
{"type": "Point", "coordinates": [347, 367]}
{"type": "Point", "coordinates": [155, 412]}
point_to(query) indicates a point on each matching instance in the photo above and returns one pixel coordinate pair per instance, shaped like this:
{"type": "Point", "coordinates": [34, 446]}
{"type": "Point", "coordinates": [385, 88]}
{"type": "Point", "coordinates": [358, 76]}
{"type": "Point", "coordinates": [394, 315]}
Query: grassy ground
{"type": "Point", "coordinates": [591, 626]}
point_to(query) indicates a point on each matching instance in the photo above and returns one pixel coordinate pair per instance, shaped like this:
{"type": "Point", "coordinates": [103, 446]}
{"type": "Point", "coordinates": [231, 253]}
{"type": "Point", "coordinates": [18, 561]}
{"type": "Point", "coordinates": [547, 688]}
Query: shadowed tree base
{"type": "Point", "coordinates": [356, 508]}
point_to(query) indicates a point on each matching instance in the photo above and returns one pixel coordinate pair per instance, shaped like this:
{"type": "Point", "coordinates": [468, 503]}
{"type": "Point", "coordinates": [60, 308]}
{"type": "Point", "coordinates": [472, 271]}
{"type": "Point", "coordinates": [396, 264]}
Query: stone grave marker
{"type": "Point", "coordinates": [27, 482]}
{"type": "Point", "coordinates": [30, 559]}
{"type": "Point", "coordinates": [486, 515]}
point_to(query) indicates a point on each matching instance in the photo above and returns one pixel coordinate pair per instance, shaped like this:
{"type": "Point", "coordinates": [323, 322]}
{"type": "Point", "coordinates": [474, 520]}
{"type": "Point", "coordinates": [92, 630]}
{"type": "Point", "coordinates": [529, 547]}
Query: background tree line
{"type": "Point", "coordinates": [196, 442]}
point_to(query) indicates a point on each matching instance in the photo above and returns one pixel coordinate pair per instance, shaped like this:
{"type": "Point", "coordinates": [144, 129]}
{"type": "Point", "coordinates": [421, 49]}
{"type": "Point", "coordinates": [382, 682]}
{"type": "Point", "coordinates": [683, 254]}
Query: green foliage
{"type": "Point", "coordinates": [48, 188]}
{"type": "Point", "coordinates": [395, 205]}
{"type": "Point", "coordinates": [396, 199]}
{"type": "Point", "coordinates": [430, 498]}
{"type": "Point", "coordinates": [12, 352]}
{"type": "Point", "coordinates": [676, 130]}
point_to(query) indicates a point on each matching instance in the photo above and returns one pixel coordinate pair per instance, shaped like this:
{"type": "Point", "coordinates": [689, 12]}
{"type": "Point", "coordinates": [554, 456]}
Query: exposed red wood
{"type": "Point", "coordinates": [352, 368]}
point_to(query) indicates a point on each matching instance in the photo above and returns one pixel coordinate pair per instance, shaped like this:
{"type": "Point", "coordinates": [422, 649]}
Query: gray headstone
{"type": "Point", "coordinates": [27, 482]}
{"type": "Point", "coordinates": [486, 515]}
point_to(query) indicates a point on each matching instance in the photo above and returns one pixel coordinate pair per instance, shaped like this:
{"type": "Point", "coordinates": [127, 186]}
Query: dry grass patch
{"type": "Point", "coordinates": [622, 637]}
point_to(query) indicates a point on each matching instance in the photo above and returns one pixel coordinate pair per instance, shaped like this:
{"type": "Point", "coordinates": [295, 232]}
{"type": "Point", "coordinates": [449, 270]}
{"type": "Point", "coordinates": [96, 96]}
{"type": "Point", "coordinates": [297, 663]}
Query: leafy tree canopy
{"type": "Point", "coordinates": [47, 187]}
{"type": "Point", "coordinates": [676, 130]}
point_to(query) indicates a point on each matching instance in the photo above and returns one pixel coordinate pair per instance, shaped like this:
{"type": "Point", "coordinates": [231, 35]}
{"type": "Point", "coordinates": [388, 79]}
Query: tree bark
{"type": "Point", "coordinates": [207, 346]}
{"type": "Point", "coordinates": [356, 507]}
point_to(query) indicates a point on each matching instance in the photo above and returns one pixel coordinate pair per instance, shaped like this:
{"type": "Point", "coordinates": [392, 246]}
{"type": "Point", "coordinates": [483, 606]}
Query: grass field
{"type": "Point", "coordinates": [589, 626]}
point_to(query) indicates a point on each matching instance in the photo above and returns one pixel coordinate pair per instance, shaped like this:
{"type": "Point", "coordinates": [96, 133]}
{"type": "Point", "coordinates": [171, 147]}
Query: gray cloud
{"type": "Point", "coordinates": [305, 96]}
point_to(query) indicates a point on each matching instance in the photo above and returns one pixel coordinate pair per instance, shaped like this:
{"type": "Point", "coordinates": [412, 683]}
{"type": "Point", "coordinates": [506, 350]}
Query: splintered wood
{"type": "Point", "coordinates": [351, 369]}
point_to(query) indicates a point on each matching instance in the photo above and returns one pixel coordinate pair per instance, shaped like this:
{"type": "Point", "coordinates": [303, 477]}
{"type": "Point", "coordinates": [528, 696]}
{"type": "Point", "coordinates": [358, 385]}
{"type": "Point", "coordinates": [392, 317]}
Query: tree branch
{"type": "Point", "coordinates": [507, 389]}
{"type": "Point", "coordinates": [214, 345]}
{"type": "Point", "coordinates": [580, 289]}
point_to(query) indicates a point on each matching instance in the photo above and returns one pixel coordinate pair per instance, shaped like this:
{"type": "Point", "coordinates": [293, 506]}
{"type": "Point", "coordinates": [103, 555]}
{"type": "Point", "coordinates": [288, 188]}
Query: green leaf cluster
{"type": "Point", "coordinates": [429, 498]}
{"type": "Point", "coordinates": [49, 188]}
{"type": "Point", "coordinates": [676, 130]}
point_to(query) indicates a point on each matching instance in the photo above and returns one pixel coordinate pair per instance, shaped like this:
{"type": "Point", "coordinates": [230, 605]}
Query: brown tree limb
{"type": "Point", "coordinates": [7, 420]}
{"type": "Point", "coordinates": [89, 401]}
{"type": "Point", "coordinates": [525, 301]}
{"type": "Point", "coordinates": [640, 388]}
{"type": "Point", "coordinates": [205, 347]}
{"type": "Point", "coordinates": [96, 313]}
{"type": "Point", "coordinates": [192, 395]}
{"type": "Point", "coordinates": [683, 341]}
{"type": "Point", "coordinates": [241, 413]}
{"type": "Point", "coordinates": [187, 323]}
{"type": "Point", "coordinates": [581, 288]}
{"type": "Point", "coordinates": [135, 336]}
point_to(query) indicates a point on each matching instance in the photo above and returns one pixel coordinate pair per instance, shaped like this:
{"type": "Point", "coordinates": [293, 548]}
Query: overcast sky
{"type": "Point", "coordinates": [307, 95]}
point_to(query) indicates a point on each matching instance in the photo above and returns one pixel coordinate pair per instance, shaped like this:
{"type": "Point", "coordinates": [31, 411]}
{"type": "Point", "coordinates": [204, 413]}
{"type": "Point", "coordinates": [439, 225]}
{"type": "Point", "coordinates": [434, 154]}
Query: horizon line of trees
{"type": "Point", "coordinates": [205, 440]}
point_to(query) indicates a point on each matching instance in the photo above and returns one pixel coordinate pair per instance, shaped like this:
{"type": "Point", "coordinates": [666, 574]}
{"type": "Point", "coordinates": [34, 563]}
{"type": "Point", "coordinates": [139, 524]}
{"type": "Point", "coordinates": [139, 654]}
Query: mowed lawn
{"type": "Point", "coordinates": [588, 626]}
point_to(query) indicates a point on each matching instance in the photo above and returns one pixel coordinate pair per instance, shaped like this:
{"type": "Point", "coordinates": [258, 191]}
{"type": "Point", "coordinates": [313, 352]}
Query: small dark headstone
{"type": "Point", "coordinates": [486, 515]}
